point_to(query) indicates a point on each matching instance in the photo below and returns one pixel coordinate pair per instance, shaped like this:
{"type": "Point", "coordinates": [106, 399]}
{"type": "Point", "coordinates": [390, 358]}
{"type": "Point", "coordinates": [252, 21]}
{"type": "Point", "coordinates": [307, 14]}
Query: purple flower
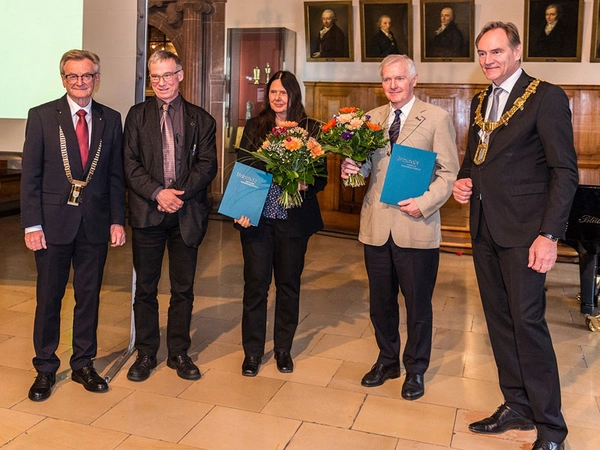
{"type": "Point", "coordinates": [347, 135]}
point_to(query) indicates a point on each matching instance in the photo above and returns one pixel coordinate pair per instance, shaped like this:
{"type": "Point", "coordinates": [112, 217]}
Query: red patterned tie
{"type": "Point", "coordinates": [83, 136]}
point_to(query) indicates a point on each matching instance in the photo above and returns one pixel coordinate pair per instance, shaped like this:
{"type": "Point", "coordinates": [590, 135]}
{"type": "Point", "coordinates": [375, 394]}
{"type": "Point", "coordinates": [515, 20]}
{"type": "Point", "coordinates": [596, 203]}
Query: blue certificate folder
{"type": "Point", "coordinates": [408, 174]}
{"type": "Point", "coordinates": [246, 193]}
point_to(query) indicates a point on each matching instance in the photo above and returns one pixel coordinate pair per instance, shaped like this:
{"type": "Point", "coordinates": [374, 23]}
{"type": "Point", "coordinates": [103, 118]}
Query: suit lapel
{"type": "Point", "coordinates": [191, 129]}
{"type": "Point", "coordinates": [98, 123]}
{"type": "Point", "coordinates": [411, 122]}
{"type": "Point", "coordinates": [65, 121]}
{"type": "Point", "coordinates": [516, 92]}
{"type": "Point", "coordinates": [151, 129]}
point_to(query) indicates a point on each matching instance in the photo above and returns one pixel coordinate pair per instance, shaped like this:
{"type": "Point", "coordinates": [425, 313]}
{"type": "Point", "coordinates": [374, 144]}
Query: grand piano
{"type": "Point", "coordinates": [583, 234]}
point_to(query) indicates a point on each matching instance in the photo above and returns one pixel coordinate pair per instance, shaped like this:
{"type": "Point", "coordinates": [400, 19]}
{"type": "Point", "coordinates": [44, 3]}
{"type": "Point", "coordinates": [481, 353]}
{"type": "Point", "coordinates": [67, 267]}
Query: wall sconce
{"type": "Point", "coordinates": [256, 75]}
{"type": "Point", "coordinates": [267, 73]}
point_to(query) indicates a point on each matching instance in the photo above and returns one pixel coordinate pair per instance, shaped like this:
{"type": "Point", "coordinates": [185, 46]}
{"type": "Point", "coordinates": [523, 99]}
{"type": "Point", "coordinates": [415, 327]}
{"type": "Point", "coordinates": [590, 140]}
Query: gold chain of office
{"type": "Point", "coordinates": [487, 126]}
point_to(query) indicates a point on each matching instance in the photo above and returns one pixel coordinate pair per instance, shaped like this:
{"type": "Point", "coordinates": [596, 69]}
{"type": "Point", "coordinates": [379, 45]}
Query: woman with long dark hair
{"type": "Point", "coordinates": [276, 247]}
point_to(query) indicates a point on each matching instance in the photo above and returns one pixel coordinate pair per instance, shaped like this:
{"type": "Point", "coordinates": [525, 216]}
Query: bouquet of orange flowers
{"type": "Point", "coordinates": [292, 156]}
{"type": "Point", "coordinates": [350, 133]}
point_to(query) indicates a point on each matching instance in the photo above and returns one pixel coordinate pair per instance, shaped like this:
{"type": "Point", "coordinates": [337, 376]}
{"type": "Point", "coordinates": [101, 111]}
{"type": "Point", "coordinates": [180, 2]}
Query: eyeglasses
{"type": "Point", "coordinates": [167, 77]}
{"type": "Point", "coordinates": [86, 77]}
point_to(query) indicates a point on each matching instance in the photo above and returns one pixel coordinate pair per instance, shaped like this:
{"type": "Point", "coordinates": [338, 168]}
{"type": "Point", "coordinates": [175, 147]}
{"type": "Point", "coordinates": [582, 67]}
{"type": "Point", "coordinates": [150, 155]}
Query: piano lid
{"type": "Point", "coordinates": [583, 231]}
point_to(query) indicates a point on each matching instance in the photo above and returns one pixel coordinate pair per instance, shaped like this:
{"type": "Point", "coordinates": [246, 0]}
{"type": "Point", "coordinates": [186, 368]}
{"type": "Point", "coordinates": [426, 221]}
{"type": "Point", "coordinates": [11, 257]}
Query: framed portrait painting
{"type": "Point", "coordinates": [595, 47]}
{"type": "Point", "coordinates": [329, 31]}
{"type": "Point", "coordinates": [385, 29]}
{"type": "Point", "coordinates": [447, 29]}
{"type": "Point", "coordinates": [553, 30]}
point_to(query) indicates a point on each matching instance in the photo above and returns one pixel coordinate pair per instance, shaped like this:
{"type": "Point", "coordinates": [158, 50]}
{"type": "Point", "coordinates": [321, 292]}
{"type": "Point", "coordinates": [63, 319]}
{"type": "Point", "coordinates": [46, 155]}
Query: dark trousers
{"type": "Point", "coordinates": [413, 271]}
{"type": "Point", "coordinates": [268, 250]}
{"type": "Point", "coordinates": [148, 251]}
{"type": "Point", "coordinates": [53, 267]}
{"type": "Point", "coordinates": [514, 303]}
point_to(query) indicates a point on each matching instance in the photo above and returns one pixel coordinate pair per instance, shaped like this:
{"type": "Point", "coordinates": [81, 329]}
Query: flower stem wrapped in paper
{"type": "Point", "coordinates": [293, 157]}
{"type": "Point", "coordinates": [350, 133]}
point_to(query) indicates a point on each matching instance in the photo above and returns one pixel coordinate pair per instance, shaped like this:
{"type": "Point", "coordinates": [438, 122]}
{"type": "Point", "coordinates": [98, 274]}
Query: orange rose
{"type": "Point", "coordinates": [348, 109]}
{"type": "Point", "coordinates": [373, 126]}
{"type": "Point", "coordinates": [328, 126]}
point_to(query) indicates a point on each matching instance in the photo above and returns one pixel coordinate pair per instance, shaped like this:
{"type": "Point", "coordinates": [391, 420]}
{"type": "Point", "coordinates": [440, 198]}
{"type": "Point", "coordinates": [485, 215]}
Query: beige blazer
{"type": "Point", "coordinates": [427, 127]}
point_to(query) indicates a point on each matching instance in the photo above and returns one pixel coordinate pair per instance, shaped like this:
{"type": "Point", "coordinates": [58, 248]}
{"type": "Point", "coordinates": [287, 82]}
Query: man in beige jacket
{"type": "Point", "coordinates": [401, 242]}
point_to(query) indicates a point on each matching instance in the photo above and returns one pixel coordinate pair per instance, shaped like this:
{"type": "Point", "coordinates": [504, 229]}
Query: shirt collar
{"type": "Point", "coordinates": [74, 107]}
{"type": "Point", "coordinates": [510, 82]}
{"type": "Point", "coordinates": [405, 109]}
{"type": "Point", "coordinates": [176, 103]}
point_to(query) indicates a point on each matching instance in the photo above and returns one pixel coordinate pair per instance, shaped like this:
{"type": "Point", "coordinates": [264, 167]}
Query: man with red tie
{"type": "Point", "coordinates": [72, 205]}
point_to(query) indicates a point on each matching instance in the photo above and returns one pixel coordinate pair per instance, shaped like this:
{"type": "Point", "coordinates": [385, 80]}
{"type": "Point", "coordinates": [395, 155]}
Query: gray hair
{"type": "Point", "coordinates": [164, 55]}
{"type": "Point", "coordinates": [79, 55]}
{"type": "Point", "coordinates": [395, 59]}
{"type": "Point", "coordinates": [509, 28]}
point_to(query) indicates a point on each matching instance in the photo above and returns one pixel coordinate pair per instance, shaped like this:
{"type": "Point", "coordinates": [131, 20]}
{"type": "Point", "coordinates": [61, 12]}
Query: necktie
{"type": "Point", "coordinates": [168, 143]}
{"type": "Point", "coordinates": [495, 101]}
{"type": "Point", "coordinates": [395, 128]}
{"type": "Point", "coordinates": [83, 136]}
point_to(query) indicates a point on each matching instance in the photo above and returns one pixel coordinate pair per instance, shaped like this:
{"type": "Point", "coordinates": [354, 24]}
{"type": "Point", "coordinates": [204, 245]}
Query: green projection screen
{"type": "Point", "coordinates": [36, 33]}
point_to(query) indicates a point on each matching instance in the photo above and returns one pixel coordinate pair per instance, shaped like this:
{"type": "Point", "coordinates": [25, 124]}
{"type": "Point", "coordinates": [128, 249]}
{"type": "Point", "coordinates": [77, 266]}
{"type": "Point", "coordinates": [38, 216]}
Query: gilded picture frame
{"type": "Point", "coordinates": [553, 30]}
{"type": "Point", "coordinates": [329, 32]}
{"type": "Point", "coordinates": [595, 47]}
{"type": "Point", "coordinates": [386, 27]}
{"type": "Point", "coordinates": [447, 30]}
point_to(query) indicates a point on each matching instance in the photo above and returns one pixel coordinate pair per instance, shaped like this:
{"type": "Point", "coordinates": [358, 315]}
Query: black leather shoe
{"type": "Point", "coordinates": [284, 362]}
{"type": "Point", "coordinates": [379, 373]}
{"type": "Point", "coordinates": [413, 387]}
{"type": "Point", "coordinates": [186, 369]}
{"type": "Point", "coordinates": [141, 368]}
{"type": "Point", "coordinates": [502, 420]}
{"type": "Point", "coordinates": [250, 366]}
{"type": "Point", "coordinates": [543, 444]}
{"type": "Point", "coordinates": [89, 378]}
{"type": "Point", "coordinates": [42, 386]}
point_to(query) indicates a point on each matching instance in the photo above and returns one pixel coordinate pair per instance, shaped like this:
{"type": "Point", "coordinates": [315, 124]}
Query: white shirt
{"type": "Point", "coordinates": [507, 87]}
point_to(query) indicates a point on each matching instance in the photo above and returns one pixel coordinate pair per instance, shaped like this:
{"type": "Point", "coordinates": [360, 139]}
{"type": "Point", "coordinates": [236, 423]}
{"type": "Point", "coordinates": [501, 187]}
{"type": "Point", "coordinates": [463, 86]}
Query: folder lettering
{"type": "Point", "coordinates": [246, 193]}
{"type": "Point", "coordinates": [408, 175]}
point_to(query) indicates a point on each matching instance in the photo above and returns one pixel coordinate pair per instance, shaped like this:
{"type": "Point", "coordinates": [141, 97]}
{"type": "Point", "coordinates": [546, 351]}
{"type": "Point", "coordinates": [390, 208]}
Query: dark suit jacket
{"type": "Point", "coordinates": [560, 42]}
{"type": "Point", "coordinates": [144, 167]}
{"type": "Point", "coordinates": [333, 44]}
{"type": "Point", "coordinates": [306, 219]}
{"type": "Point", "coordinates": [44, 185]}
{"type": "Point", "coordinates": [382, 46]}
{"type": "Point", "coordinates": [449, 42]}
{"type": "Point", "coordinates": [527, 182]}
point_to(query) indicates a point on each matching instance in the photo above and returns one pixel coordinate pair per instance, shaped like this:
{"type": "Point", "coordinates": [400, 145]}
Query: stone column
{"type": "Point", "coordinates": [192, 53]}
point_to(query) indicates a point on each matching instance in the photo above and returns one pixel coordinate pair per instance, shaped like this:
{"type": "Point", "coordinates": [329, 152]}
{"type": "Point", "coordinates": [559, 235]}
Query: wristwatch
{"type": "Point", "coordinates": [549, 236]}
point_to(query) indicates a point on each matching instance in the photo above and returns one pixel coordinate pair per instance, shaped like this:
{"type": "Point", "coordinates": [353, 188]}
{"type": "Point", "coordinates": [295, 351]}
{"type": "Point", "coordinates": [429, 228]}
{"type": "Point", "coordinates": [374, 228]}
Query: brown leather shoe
{"type": "Point", "coordinates": [379, 373]}
{"type": "Point", "coordinates": [89, 378]}
{"type": "Point", "coordinates": [42, 386]}
{"type": "Point", "coordinates": [502, 420]}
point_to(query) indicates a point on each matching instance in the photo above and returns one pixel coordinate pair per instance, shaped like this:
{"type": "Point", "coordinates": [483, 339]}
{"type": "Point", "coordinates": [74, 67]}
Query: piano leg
{"type": "Point", "coordinates": [589, 301]}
